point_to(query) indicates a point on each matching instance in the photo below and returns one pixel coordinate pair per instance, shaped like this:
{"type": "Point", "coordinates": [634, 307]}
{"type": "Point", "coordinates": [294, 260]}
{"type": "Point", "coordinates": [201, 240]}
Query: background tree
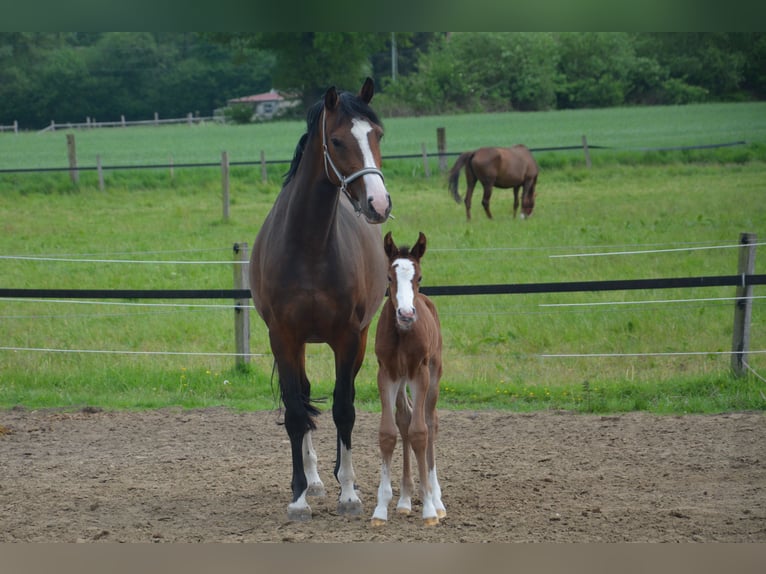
{"type": "Point", "coordinates": [308, 62]}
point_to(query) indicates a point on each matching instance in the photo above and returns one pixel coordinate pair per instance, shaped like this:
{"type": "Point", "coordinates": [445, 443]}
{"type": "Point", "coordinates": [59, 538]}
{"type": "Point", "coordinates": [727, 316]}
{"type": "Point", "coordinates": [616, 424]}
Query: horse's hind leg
{"type": "Point", "coordinates": [315, 484]}
{"type": "Point", "coordinates": [403, 419]}
{"type": "Point", "coordinates": [432, 420]}
{"type": "Point", "coordinates": [418, 433]}
{"type": "Point", "coordinates": [470, 181]}
{"type": "Point", "coordinates": [485, 198]}
{"type": "Point", "coordinates": [515, 201]}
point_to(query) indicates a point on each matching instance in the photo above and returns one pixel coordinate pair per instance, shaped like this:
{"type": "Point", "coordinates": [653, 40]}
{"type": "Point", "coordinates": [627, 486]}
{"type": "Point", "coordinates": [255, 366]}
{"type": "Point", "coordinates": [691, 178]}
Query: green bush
{"type": "Point", "coordinates": [238, 114]}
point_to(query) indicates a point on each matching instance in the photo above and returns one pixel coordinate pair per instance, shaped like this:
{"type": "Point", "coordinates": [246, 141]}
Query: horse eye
{"type": "Point", "coordinates": [336, 142]}
{"type": "Point", "coordinates": [420, 279]}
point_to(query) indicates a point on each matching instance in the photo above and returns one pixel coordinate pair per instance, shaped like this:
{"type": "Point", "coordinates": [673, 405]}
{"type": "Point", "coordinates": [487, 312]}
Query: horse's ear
{"type": "Point", "coordinates": [367, 91]}
{"type": "Point", "coordinates": [389, 246]}
{"type": "Point", "coordinates": [419, 249]}
{"type": "Point", "coordinates": [331, 98]}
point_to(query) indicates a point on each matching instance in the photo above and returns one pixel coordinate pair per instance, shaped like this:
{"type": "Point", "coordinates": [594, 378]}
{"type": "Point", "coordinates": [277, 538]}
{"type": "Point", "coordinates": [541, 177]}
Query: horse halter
{"type": "Point", "coordinates": [344, 181]}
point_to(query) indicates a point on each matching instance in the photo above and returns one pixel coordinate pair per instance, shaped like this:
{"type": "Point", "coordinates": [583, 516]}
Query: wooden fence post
{"type": "Point", "coordinates": [100, 172]}
{"type": "Point", "coordinates": [74, 174]}
{"type": "Point", "coordinates": [242, 306]}
{"type": "Point", "coordinates": [225, 183]}
{"type": "Point", "coordinates": [426, 167]}
{"type": "Point", "coordinates": [441, 146]}
{"type": "Point", "coordinates": [587, 152]}
{"type": "Point", "coordinates": [743, 307]}
{"type": "Point", "coordinates": [264, 173]}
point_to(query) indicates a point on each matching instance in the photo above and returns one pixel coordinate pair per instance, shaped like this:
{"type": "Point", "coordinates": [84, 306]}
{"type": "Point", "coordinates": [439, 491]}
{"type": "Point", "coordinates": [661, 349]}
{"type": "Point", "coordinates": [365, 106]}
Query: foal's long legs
{"type": "Point", "coordinates": [419, 437]}
{"type": "Point", "coordinates": [432, 420]}
{"type": "Point", "coordinates": [403, 420]}
{"type": "Point", "coordinates": [387, 435]}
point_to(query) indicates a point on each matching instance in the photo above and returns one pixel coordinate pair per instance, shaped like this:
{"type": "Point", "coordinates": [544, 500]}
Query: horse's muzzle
{"type": "Point", "coordinates": [373, 211]}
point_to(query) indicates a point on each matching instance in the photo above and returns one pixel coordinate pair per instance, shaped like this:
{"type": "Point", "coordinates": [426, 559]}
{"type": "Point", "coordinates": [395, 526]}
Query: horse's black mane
{"type": "Point", "coordinates": [348, 103]}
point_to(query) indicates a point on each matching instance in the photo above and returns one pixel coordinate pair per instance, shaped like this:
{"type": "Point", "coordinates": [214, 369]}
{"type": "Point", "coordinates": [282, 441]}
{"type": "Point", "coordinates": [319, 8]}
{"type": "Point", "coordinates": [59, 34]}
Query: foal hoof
{"type": "Point", "coordinates": [377, 522]}
{"type": "Point", "coordinates": [350, 508]}
{"type": "Point", "coordinates": [431, 521]}
{"type": "Point", "coordinates": [441, 513]}
{"type": "Point", "coordinates": [301, 514]}
{"type": "Point", "coordinates": [403, 510]}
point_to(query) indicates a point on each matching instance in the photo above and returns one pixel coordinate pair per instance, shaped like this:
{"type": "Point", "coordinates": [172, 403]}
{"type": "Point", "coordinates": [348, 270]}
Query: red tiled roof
{"type": "Point", "coordinates": [272, 96]}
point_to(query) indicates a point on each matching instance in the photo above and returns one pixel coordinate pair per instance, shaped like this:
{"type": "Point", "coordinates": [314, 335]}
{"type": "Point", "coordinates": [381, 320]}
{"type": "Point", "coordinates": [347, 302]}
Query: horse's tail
{"type": "Point", "coordinates": [454, 174]}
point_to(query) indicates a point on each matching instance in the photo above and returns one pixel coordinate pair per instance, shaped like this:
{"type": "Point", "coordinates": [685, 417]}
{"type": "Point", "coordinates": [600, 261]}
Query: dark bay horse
{"type": "Point", "coordinates": [408, 344]}
{"type": "Point", "coordinates": [318, 275]}
{"type": "Point", "coordinates": [502, 167]}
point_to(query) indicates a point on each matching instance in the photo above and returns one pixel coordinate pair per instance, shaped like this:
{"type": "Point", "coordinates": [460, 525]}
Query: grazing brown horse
{"type": "Point", "coordinates": [408, 344]}
{"type": "Point", "coordinates": [502, 167]}
{"type": "Point", "coordinates": [318, 275]}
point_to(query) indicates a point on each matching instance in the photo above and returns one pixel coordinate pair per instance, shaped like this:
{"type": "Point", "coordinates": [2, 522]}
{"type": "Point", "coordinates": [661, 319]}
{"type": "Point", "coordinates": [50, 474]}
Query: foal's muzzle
{"type": "Point", "coordinates": [406, 319]}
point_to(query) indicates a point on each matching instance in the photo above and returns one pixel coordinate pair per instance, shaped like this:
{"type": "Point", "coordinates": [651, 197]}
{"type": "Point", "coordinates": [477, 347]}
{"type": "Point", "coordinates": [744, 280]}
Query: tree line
{"type": "Point", "coordinates": [67, 76]}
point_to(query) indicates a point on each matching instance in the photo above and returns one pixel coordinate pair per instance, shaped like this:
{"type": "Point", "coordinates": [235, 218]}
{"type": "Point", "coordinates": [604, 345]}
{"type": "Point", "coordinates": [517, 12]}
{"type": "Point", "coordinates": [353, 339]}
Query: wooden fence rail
{"type": "Point", "coordinates": [89, 123]}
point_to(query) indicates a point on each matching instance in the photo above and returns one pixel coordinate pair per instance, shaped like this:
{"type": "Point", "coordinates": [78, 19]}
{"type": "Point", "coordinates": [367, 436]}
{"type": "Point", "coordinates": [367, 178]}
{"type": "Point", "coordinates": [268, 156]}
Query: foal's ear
{"type": "Point", "coordinates": [367, 91]}
{"type": "Point", "coordinates": [389, 246]}
{"type": "Point", "coordinates": [419, 249]}
{"type": "Point", "coordinates": [331, 98]}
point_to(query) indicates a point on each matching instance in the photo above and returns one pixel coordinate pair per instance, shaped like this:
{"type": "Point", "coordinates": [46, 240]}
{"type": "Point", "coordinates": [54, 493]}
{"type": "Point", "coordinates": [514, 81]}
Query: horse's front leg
{"type": "Point", "coordinates": [387, 390]}
{"type": "Point", "coordinates": [298, 421]}
{"type": "Point", "coordinates": [348, 360]}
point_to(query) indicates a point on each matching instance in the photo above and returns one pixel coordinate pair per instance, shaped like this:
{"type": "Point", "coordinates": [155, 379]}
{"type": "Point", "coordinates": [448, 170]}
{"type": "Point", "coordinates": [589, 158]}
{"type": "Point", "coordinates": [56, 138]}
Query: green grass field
{"type": "Point", "coordinates": [494, 345]}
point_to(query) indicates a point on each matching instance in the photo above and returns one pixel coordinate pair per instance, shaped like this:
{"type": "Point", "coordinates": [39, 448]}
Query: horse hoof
{"type": "Point", "coordinates": [377, 522]}
{"type": "Point", "coordinates": [403, 511]}
{"type": "Point", "coordinates": [316, 490]}
{"type": "Point", "coordinates": [441, 513]}
{"type": "Point", "coordinates": [302, 514]}
{"type": "Point", "coordinates": [350, 508]}
{"type": "Point", "coordinates": [431, 521]}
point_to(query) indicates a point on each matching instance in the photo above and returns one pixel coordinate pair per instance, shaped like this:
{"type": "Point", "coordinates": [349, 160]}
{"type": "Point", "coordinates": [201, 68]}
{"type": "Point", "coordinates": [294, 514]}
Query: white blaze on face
{"type": "Point", "coordinates": [405, 295]}
{"type": "Point", "coordinates": [376, 189]}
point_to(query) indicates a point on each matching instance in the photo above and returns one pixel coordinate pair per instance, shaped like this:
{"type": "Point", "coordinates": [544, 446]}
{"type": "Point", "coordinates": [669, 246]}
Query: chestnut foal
{"type": "Point", "coordinates": [408, 345]}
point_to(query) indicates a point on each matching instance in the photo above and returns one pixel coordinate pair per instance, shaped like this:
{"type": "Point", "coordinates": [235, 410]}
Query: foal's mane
{"type": "Point", "coordinates": [403, 253]}
{"type": "Point", "coordinates": [348, 104]}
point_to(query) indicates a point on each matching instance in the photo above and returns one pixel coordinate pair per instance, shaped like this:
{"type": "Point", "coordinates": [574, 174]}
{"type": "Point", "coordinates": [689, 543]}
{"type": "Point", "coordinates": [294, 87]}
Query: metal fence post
{"type": "Point", "coordinates": [242, 306]}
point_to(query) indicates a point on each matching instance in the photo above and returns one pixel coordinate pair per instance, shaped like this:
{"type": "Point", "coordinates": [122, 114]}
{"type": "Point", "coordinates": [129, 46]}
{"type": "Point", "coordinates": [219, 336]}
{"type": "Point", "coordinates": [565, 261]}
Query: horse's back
{"type": "Point", "coordinates": [505, 166]}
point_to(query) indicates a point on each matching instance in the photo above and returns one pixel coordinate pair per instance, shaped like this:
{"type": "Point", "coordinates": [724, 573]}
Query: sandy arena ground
{"type": "Point", "coordinates": [217, 475]}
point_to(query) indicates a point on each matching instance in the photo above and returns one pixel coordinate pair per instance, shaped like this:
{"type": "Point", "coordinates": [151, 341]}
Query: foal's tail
{"type": "Point", "coordinates": [454, 173]}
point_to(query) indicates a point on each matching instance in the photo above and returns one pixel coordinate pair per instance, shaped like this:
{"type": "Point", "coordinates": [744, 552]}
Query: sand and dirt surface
{"type": "Point", "coordinates": [216, 475]}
